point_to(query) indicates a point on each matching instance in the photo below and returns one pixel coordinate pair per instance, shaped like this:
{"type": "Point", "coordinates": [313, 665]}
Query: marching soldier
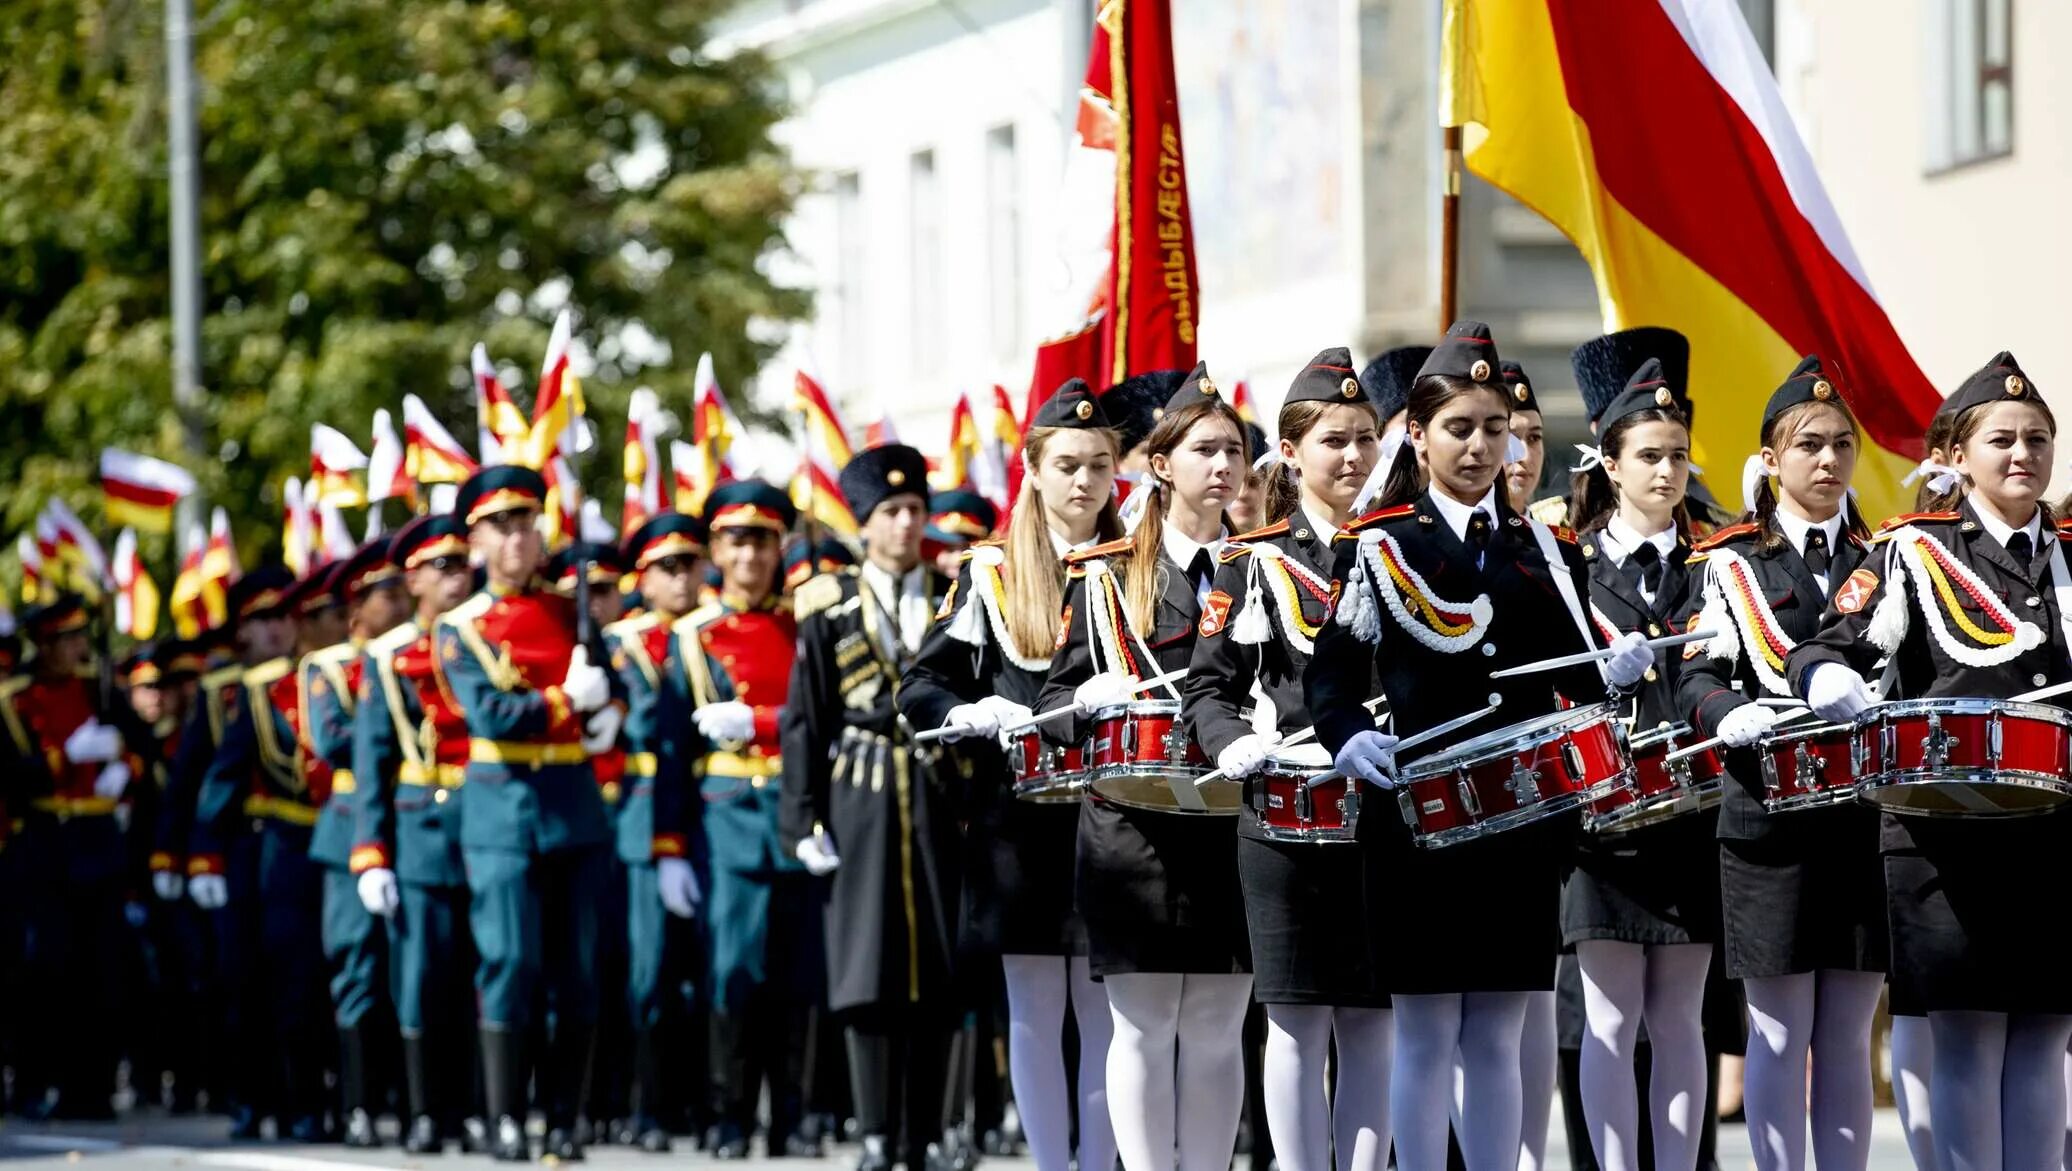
{"type": "Point", "coordinates": [728, 670]}
{"type": "Point", "coordinates": [71, 753]}
{"type": "Point", "coordinates": [410, 750]}
{"type": "Point", "coordinates": [264, 789]}
{"type": "Point", "coordinates": [354, 942]}
{"type": "Point", "coordinates": [860, 806]}
{"type": "Point", "coordinates": [161, 1015]}
{"type": "Point", "coordinates": [533, 825]}
{"type": "Point", "coordinates": [665, 553]}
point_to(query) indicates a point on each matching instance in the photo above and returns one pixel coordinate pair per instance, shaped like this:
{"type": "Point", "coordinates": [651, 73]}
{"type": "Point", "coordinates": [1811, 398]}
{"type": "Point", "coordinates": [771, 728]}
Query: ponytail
{"type": "Point", "coordinates": [1591, 490]}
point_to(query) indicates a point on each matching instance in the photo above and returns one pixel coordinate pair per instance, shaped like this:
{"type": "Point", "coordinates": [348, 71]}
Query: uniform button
{"type": "Point", "coordinates": [1488, 649]}
{"type": "Point", "coordinates": [1654, 631]}
{"type": "Point", "coordinates": [2038, 680]}
{"type": "Point", "coordinates": [439, 797]}
{"type": "Point", "coordinates": [2033, 601]}
{"type": "Point", "coordinates": [1651, 676]}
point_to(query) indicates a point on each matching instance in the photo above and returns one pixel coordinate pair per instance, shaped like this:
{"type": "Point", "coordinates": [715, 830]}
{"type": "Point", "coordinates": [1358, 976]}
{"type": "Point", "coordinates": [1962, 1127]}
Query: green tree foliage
{"type": "Point", "coordinates": [385, 182]}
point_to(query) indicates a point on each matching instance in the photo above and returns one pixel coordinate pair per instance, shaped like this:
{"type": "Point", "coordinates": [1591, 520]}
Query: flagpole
{"type": "Point", "coordinates": [812, 509]}
{"type": "Point", "coordinates": [1449, 231]}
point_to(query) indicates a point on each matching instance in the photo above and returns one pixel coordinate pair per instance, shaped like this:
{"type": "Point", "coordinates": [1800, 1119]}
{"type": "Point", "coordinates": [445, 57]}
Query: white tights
{"type": "Point", "coordinates": [1826, 1015]}
{"type": "Point", "coordinates": [1177, 1055]}
{"type": "Point", "coordinates": [1037, 990]}
{"type": "Point", "coordinates": [1913, 1057]}
{"type": "Point", "coordinates": [1538, 1062]}
{"type": "Point", "coordinates": [1483, 1030]}
{"type": "Point", "coordinates": [1622, 983]}
{"type": "Point", "coordinates": [1309, 1116]}
{"type": "Point", "coordinates": [1998, 1092]}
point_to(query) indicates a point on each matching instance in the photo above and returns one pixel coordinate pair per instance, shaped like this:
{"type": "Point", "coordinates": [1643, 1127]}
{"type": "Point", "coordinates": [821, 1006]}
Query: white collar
{"type": "Point", "coordinates": [889, 586]}
{"type": "Point", "coordinates": [1795, 528]}
{"type": "Point", "coordinates": [1182, 548]}
{"type": "Point", "coordinates": [1999, 531]}
{"type": "Point", "coordinates": [1324, 530]}
{"type": "Point", "coordinates": [1457, 514]}
{"type": "Point", "coordinates": [1624, 538]}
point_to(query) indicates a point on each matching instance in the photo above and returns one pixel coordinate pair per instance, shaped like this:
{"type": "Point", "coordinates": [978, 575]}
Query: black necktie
{"type": "Point", "coordinates": [1202, 570]}
{"type": "Point", "coordinates": [1816, 552]}
{"type": "Point", "coordinates": [2018, 548]}
{"type": "Point", "coordinates": [1478, 535]}
{"type": "Point", "coordinates": [1646, 567]}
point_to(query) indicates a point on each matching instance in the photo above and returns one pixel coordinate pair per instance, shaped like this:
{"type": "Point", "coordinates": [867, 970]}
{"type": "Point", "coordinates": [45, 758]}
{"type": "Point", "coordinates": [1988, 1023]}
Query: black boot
{"type": "Point", "coordinates": [503, 1075]}
{"type": "Point", "coordinates": [422, 1136]}
{"type": "Point", "coordinates": [569, 1087]}
{"type": "Point", "coordinates": [352, 1086]}
{"type": "Point", "coordinates": [645, 1125]}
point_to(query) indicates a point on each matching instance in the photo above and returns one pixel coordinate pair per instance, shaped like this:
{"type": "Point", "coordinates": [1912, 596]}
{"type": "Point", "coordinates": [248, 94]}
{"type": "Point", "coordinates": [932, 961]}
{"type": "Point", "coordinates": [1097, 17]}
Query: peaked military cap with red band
{"type": "Point", "coordinates": [182, 659]}
{"type": "Point", "coordinates": [1604, 365]}
{"type": "Point", "coordinates": [1074, 405]}
{"type": "Point", "coordinates": [1807, 383]}
{"type": "Point", "coordinates": [500, 488]}
{"type": "Point", "coordinates": [1520, 387]}
{"type": "Point", "coordinates": [323, 588]}
{"type": "Point", "coordinates": [960, 516]}
{"type": "Point", "coordinates": [261, 592]}
{"type": "Point", "coordinates": [427, 539]}
{"type": "Point", "coordinates": [877, 474]}
{"type": "Point", "coordinates": [1647, 390]}
{"type": "Point", "coordinates": [368, 569]}
{"type": "Point", "coordinates": [664, 535]}
{"type": "Point", "coordinates": [64, 614]}
{"type": "Point", "coordinates": [1468, 353]}
{"type": "Point", "coordinates": [1998, 381]}
{"type": "Point", "coordinates": [1388, 377]}
{"type": "Point", "coordinates": [798, 561]}
{"type": "Point", "coordinates": [607, 565]}
{"type": "Point", "coordinates": [1329, 378]}
{"type": "Point", "coordinates": [142, 667]}
{"type": "Point", "coordinates": [749, 504]}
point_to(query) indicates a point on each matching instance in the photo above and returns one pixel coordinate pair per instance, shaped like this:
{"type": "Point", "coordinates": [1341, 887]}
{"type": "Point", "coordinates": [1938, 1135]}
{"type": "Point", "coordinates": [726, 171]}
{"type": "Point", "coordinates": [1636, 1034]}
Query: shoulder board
{"type": "Point", "coordinates": [1273, 530]}
{"type": "Point", "coordinates": [469, 610]}
{"type": "Point", "coordinates": [1233, 550]}
{"type": "Point", "coordinates": [1378, 516]}
{"type": "Point", "coordinates": [1697, 557]}
{"type": "Point", "coordinates": [266, 673]}
{"type": "Point", "coordinates": [1562, 533]}
{"type": "Point", "coordinates": [1916, 518]}
{"type": "Point", "coordinates": [815, 594]}
{"type": "Point", "coordinates": [222, 677]}
{"type": "Point", "coordinates": [1730, 533]}
{"type": "Point", "coordinates": [389, 645]}
{"type": "Point", "coordinates": [630, 626]}
{"type": "Point", "coordinates": [1112, 548]}
{"type": "Point", "coordinates": [699, 618]}
{"type": "Point", "coordinates": [337, 652]}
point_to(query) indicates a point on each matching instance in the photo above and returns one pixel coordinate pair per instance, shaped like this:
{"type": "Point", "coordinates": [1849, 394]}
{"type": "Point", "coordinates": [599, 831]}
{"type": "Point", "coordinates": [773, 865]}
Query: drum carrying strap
{"type": "Point", "coordinates": [1557, 565]}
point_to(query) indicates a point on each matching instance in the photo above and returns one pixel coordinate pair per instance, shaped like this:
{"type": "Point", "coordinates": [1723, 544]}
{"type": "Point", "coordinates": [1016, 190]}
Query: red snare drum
{"type": "Point", "coordinates": [1143, 757]}
{"type": "Point", "coordinates": [1808, 766]}
{"type": "Point", "coordinates": [1662, 788]}
{"type": "Point", "coordinates": [1291, 809]}
{"type": "Point", "coordinates": [1964, 757]}
{"type": "Point", "coordinates": [1045, 773]}
{"type": "Point", "coordinates": [1514, 776]}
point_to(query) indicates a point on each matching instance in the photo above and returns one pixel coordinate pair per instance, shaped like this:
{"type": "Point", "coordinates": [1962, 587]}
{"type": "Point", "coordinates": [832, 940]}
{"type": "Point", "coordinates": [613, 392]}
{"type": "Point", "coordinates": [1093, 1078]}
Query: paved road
{"type": "Point", "coordinates": [153, 1141]}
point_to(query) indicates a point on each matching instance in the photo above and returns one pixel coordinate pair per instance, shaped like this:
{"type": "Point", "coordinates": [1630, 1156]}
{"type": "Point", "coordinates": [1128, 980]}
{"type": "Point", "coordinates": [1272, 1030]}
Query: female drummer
{"type": "Point", "coordinates": [1158, 892]}
{"type": "Point", "coordinates": [979, 671]}
{"type": "Point", "coordinates": [1805, 926]}
{"type": "Point", "coordinates": [1311, 960]}
{"type": "Point", "coordinates": [1444, 584]}
{"type": "Point", "coordinates": [1969, 601]}
{"type": "Point", "coordinates": [1641, 907]}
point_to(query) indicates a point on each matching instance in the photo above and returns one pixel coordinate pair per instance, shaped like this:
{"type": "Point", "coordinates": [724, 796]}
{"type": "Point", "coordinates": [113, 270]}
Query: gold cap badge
{"type": "Point", "coordinates": [1207, 386]}
{"type": "Point", "coordinates": [1823, 390]}
{"type": "Point", "coordinates": [2015, 385]}
{"type": "Point", "coordinates": [1350, 388]}
{"type": "Point", "coordinates": [1085, 409]}
{"type": "Point", "coordinates": [895, 477]}
{"type": "Point", "coordinates": [1521, 392]}
{"type": "Point", "coordinates": [1479, 371]}
{"type": "Point", "coordinates": [1662, 396]}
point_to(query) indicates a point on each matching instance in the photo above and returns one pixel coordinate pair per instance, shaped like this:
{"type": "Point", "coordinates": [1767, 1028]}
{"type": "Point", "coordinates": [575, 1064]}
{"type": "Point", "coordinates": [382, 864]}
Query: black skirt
{"type": "Point", "coordinates": [1019, 859]}
{"type": "Point", "coordinates": [1972, 906]}
{"type": "Point", "coordinates": [1808, 894]}
{"type": "Point", "coordinates": [1651, 886]}
{"type": "Point", "coordinates": [1158, 892]}
{"type": "Point", "coordinates": [1311, 934]}
{"type": "Point", "coordinates": [1484, 916]}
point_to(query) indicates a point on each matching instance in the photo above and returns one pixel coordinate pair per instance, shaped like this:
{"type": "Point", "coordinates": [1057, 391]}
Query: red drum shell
{"type": "Point", "coordinates": [1289, 809]}
{"type": "Point", "coordinates": [1045, 773]}
{"type": "Point", "coordinates": [1965, 757]}
{"type": "Point", "coordinates": [1514, 776]}
{"type": "Point", "coordinates": [1142, 756]}
{"type": "Point", "coordinates": [1661, 790]}
{"type": "Point", "coordinates": [1808, 767]}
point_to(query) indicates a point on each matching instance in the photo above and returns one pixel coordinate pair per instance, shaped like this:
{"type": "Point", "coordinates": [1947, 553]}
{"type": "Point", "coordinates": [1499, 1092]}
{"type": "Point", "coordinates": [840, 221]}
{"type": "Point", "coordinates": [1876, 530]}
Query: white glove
{"type": "Point", "coordinates": [209, 892]}
{"type": "Point", "coordinates": [168, 886]}
{"type": "Point", "coordinates": [727, 722]}
{"type": "Point", "coordinates": [113, 781]}
{"type": "Point", "coordinates": [1243, 756]}
{"type": "Point", "coordinates": [1630, 660]}
{"type": "Point", "coordinates": [1107, 689]}
{"type": "Point", "coordinates": [1369, 756]}
{"type": "Point", "coordinates": [585, 687]}
{"type": "Point", "coordinates": [818, 853]}
{"type": "Point", "coordinates": [378, 891]}
{"type": "Point", "coordinates": [1745, 725]}
{"type": "Point", "coordinates": [93, 743]}
{"type": "Point", "coordinates": [1836, 693]}
{"type": "Point", "coordinates": [679, 883]}
{"type": "Point", "coordinates": [601, 730]}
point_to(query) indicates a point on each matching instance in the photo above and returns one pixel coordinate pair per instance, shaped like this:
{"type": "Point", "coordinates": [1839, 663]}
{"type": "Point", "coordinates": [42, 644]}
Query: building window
{"type": "Point", "coordinates": [1004, 241]}
{"type": "Point", "coordinates": [924, 221]}
{"type": "Point", "coordinates": [846, 303]}
{"type": "Point", "coordinates": [1971, 81]}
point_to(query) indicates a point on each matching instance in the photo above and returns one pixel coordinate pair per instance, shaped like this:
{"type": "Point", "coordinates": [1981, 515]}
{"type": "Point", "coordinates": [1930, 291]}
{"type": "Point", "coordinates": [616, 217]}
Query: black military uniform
{"type": "Point", "coordinates": [1310, 930]}
{"type": "Point", "coordinates": [1500, 932]}
{"type": "Point", "coordinates": [850, 771]}
{"type": "Point", "coordinates": [1963, 936]}
{"type": "Point", "coordinates": [1802, 890]}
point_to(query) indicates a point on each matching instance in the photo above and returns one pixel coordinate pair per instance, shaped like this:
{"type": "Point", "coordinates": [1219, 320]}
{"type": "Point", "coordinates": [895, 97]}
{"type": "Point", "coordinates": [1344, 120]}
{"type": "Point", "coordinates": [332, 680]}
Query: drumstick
{"type": "Point", "coordinates": [1772, 702]}
{"type": "Point", "coordinates": [2041, 693]}
{"type": "Point", "coordinates": [1667, 640]}
{"type": "Point", "coordinates": [1302, 737]}
{"type": "Point", "coordinates": [1429, 734]}
{"type": "Point", "coordinates": [1702, 745]}
{"type": "Point", "coordinates": [1072, 709]}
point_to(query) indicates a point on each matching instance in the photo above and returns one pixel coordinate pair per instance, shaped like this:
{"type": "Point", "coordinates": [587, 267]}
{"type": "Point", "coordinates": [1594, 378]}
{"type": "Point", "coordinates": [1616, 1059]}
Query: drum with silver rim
{"type": "Point", "coordinates": [1142, 756]}
{"type": "Point", "coordinates": [1515, 776]}
{"type": "Point", "coordinates": [1964, 757]}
